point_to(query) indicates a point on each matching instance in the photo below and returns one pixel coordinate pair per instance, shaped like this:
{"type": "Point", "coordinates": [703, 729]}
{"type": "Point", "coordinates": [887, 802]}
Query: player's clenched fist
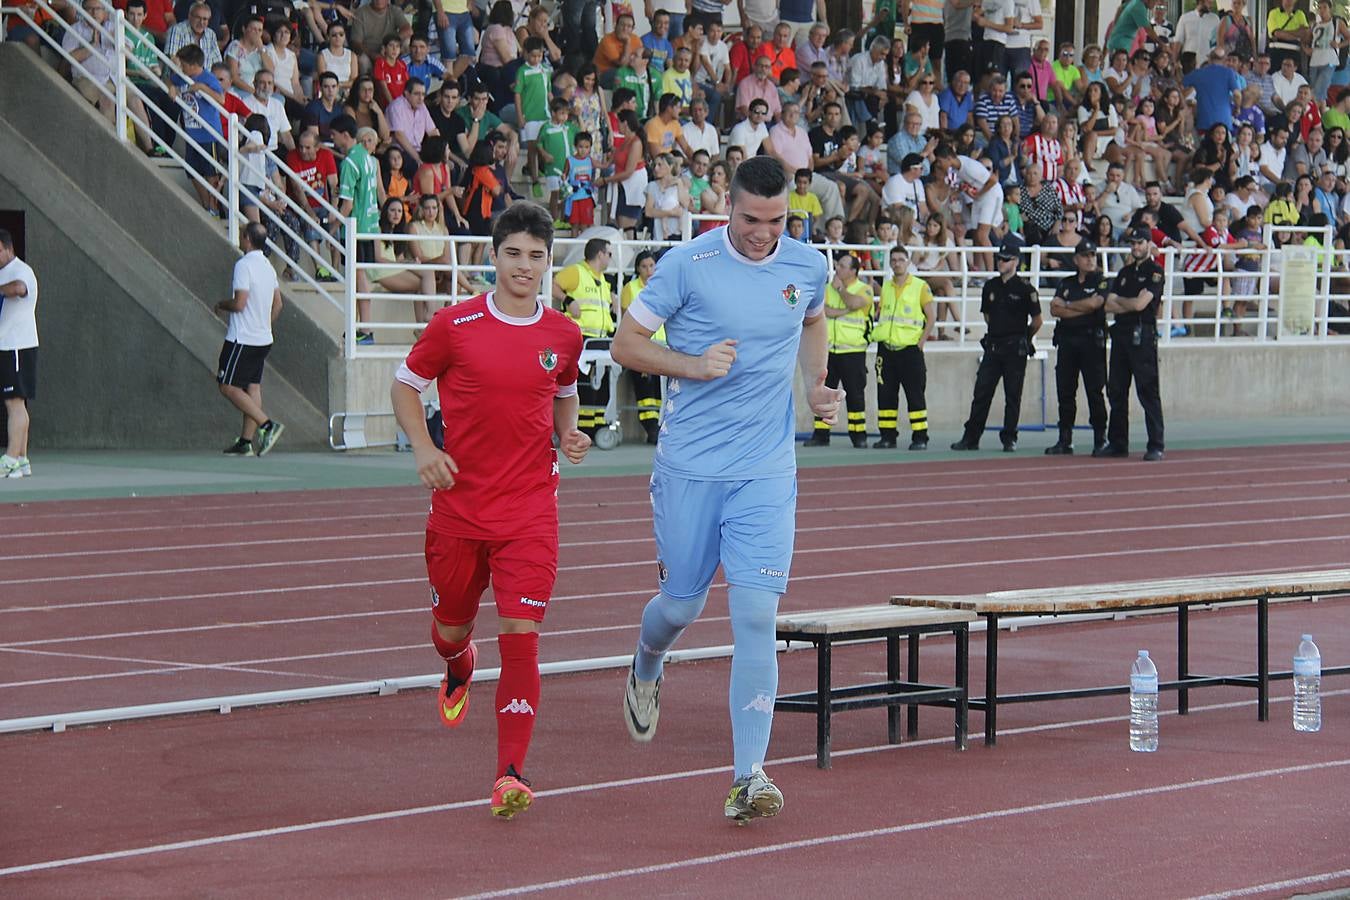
{"type": "Point", "coordinates": [716, 360]}
{"type": "Point", "coordinates": [574, 445]}
{"type": "Point", "coordinates": [436, 468]}
{"type": "Point", "coordinates": [825, 401]}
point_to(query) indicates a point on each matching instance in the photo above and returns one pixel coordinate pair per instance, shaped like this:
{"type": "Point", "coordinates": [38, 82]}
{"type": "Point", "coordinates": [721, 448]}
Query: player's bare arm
{"type": "Point", "coordinates": [571, 440]}
{"type": "Point", "coordinates": [812, 357]}
{"type": "Point", "coordinates": [633, 349]}
{"type": "Point", "coordinates": [435, 467]}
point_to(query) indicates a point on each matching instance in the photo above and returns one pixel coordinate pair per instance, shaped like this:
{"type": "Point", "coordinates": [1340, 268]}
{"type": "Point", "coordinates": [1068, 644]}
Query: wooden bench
{"type": "Point", "coordinates": [1178, 593]}
{"type": "Point", "coordinates": [824, 628]}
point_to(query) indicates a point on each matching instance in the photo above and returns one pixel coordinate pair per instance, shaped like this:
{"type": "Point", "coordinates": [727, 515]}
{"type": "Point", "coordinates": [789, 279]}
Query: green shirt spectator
{"type": "Point", "coordinates": [358, 182]}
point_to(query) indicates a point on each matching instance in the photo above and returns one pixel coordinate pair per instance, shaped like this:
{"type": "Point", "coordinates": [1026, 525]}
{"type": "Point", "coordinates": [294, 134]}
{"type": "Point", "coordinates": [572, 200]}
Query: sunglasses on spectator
{"type": "Point", "coordinates": [928, 81]}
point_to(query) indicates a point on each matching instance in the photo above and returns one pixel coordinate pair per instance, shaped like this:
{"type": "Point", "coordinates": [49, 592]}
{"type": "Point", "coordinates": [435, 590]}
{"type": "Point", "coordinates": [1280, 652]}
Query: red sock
{"type": "Point", "coordinates": [456, 654]}
{"type": "Point", "coordinates": [517, 698]}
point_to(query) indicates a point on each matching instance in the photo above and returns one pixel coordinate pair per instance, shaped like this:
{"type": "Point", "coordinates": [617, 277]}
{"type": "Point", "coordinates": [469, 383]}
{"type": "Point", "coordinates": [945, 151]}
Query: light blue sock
{"type": "Point", "coordinates": [754, 674]}
{"type": "Point", "coordinates": [663, 621]}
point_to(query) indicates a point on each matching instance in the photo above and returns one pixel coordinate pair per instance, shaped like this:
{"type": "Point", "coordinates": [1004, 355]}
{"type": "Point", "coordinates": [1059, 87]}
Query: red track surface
{"type": "Point", "coordinates": [112, 603]}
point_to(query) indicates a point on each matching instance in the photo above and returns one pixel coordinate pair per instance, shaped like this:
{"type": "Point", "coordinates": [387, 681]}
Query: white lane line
{"type": "Point", "coordinates": [929, 523]}
{"type": "Point", "coordinates": [908, 828]}
{"type": "Point", "coordinates": [235, 837]}
{"type": "Point", "coordinates": [168, 666]}
{"type": "Point", "coordinates": [1272, 886]}
{"type": "Point", "coordinates": [898, 545]}
{"type": "Point", "coordinates": [49, 579]}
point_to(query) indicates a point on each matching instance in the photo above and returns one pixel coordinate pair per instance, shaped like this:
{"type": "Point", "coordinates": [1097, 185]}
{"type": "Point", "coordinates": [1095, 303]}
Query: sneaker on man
{"type": "Point", "coordinates": [454, 702]}
{"type": "Point", "coordinates": [10, 467]}
{"type": "Point", "coordinates": [511, 794]}
{"type": "Point", "coordinates": [240, 447]}
{"type": "Point", "coordinates": [25, 466]}
{"type": "Point", "coordinates": [753, 796]}
{"type": "Point", "coordinates": [365, 338]}
{"type": "Point", "coordinates": [641, 706]}
{"type": "Point", "coordinates": [268, 436]}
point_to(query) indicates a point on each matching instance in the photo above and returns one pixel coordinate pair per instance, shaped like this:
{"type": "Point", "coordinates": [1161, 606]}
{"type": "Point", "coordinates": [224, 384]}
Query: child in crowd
{"type": "Point", "coordinates": [201, 121]}
{"type": "Point", "coordinates": [884, 238]}
{"type": "Point", "coordinates": [1012, 208]}
{"type": "Point", "coordinates": [804, 203]}
{"type": "Point", "coordinates": [834, 231]}
{"type": "Point", "coordinates": [554, 146]}
{"type": "Point", "coordinates": [533, 84]}
{"type": "Point", "coordinates": [872, 160]}
{"type": "Point", "coordinates": [796, 228]}
{"type": "Point", "coordinates": [581, 179]}
{"type": "Point", "coordinates": [390, 71]}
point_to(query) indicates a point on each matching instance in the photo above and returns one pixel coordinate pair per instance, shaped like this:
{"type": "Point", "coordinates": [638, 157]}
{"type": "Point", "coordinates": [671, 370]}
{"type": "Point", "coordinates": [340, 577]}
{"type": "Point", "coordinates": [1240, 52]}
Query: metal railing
{"type": "Point", "coordinates": [291, 222]}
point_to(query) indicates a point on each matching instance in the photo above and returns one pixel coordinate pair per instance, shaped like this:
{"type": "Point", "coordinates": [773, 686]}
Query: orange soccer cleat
{"type": "Point", "coordinates": [454, 703]}
{"type": "Point", "coordinates": [510, 795]}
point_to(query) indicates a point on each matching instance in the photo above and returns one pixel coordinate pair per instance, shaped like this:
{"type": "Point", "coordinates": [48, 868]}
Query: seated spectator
{"type": "Point", "coordinates": [790, 143]}
{"type": "Point", "coordinates": [1286, 83]}
{"type": "Point", "coordinates": [910, 139]}
{"type": "Point", "coordinates": [1118, 199]}
{"type": "Point", "coordinates": [1042, 149]}
{"type": "Point", "coordinates": [196, 31]}
{"type": "Point", "coordinates": [339, 61]}
{"type": "Point", "coordinates": [716, 199]}
{"type": "Point", "coordinates": [667, 199]}
{"type": "Point", "coordinates": [905, 189]}
{"type": "Point", "coordinates": [1029, 110]}
{"type": "Point", "coordinates": [315, 167]}
{"type": "Point", "coordinates": [664, 134]}
{"type": "Point", "coordinates": [658, 41]}
{"type": "Point", "coordinates": [678, 79]}
{"type": "Point", "coordinates": [245, 57]}
{"type": "Point", "coordinates": [817, 92]}
{"type": "Point", "coordinates": [1002, 152]}
{"type": "Point", "coordinates": [956, 103]}
{"type": "Point", "coordinates": [994, 103]}
{"type": "Point", "coordinates": [421, 65]}
{"type": "Point", "coordinates": [751, 132]}
{"type": "Point", "coordinates": [923, 100]}
{"type": "Point", "coordinates": [867, 82]}
{"type": "Point", "coordinates": [410, 121]}
{"type": "Point", "coordinates": [839, 55]}
{"type": "Point", "coordinates": [93, 70]}
{"type": "Point", "coordinates": [759, 87]}
{"type": "Point", "coordinates": [803, 203]}
{"type": "Point", "coordinates": [1165, 217]}
{"type": "Point", "coordinates": [1143, 141]}
{"type": "Point", "coordinates": [617, 49]}
{"type": "Point", "coordinates": [322, 110]}
{"type": "Point", "coordinates": [699, 133]}
{"type": "Point", "coordinates": [536, 26]}
{"type": "Point", "coordinates": [285, 66]}
{"type": "Point", "coordinates": [1069, 186]}
{"type": "Point", "coordinates": [362, 107]}
{"type": "Point", "coordinates": [373, 24]}
{"type": "Point", "coordinates": [1274, 154]}
{"type": "Point", "coordinates": [435, 177]}
{"type": "Point", "coordinates": [778, 51]}
{"type": "Point", "coordinates": [741, 55]}
{"type": "Point", "coordinates": [1040, 207]}
{"type": "Point", "coordinates": [811, 47]}
{"type": "Point", "coordinates": [390, 72]}
{"type": "Point", "coordinates": [396, 278]}
{"type": "Point", "coordinates": [264, 101]}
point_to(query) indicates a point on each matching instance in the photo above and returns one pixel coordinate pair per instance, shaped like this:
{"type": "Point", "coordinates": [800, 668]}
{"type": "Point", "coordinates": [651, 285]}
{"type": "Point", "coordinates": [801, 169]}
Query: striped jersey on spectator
{"type": "Point", "coordinates": [925, 12]}
{"type": "Point", "coordinates": [986, 110]}
{"type": "Point", "coordinates": [1070, 193]}
{"type": "Point", "coordinates": [1208, 261]}
{"type": "Point", "coordinates": [1046, 154]}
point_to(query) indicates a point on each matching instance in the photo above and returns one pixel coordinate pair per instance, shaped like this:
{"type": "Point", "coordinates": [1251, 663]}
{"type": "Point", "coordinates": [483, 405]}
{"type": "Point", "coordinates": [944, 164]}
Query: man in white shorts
{"type": "Point", "coordinates": [983, 194]}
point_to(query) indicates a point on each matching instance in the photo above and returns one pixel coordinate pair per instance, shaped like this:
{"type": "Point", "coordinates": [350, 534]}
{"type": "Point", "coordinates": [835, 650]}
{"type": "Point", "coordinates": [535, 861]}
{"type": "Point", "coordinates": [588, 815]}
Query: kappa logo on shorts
{"type": "Point", "coordinates": [519, 706]}
{"type": "Point", "coordinates": [772, 573]}
{"type": "Point", "coordinates": [526, 601]}
{"type": "Point", "coordinates": [661, 573]}
{"type": "Point", "coordinates": [792, 295]}
{"type": "Point", "coordinates": [435, 598]}
{"type": "Point", "coordinates": [548, 359]}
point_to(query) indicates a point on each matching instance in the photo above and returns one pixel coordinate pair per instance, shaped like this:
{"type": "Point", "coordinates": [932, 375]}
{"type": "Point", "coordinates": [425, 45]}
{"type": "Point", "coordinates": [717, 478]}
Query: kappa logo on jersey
{"type": "Point", "coordinates": [526, 601]}
{"type": "Point", "coordinates": [469, 318]}
{"type": "Point", "coordinates": [548, 359]}
{"type": "Point", "coordinates": [706, 254]}
{"type": "Point", "coordinates": [521, 707]}
{"type": "Point", "coordinates": [792, 296]}
{"type": "Point", "coordinates": [762, 703]}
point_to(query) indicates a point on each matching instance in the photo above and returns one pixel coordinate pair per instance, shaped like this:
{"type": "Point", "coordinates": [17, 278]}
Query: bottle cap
{"type": "Point", "coordinates": [1307, 637]}
{"type": "Point", "coordinates": [1144, 654]}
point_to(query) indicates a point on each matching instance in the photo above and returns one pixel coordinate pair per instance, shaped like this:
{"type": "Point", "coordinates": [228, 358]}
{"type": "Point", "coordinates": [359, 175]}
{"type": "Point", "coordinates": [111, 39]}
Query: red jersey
{"type": "Point", "coordinates": [394, 75]}
{"type": "Point", "coordinates": [1044, 153]}
{"type": "Point", "coordinates": [497, 377]}
{"type": "Point", "coordinates": [314, 174]}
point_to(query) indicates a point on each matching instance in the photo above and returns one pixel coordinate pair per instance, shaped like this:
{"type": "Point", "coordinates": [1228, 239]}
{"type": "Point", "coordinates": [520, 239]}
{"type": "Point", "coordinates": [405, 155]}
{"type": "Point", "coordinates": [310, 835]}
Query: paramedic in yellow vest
{"type": "Point", "coordinates": [904, 321]}
{"type": "Point", "coordinates": [848, 308]}
{"type": "Point", "coordinates": [646, 388]}
{"type": "Point", "coordinates": [584, 295]}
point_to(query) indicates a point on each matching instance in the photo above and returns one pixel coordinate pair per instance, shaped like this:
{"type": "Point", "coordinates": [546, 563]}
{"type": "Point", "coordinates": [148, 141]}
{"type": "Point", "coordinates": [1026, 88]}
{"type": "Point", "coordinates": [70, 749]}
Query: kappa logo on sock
{"type": "Point", "coordinates": [517, 705]}
{"type": "Point", "coordinates": [762, 703]}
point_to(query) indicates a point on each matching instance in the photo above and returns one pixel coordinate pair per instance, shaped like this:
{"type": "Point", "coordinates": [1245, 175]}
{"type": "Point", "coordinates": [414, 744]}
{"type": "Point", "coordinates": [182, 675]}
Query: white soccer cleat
{"type": "Point", "coordinates": [641, 706]}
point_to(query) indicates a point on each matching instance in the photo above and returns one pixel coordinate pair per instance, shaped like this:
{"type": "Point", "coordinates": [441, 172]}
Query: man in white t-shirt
{"type": "Point", "coordinates": [749, 133]}
{"type": "Point", "coordinates": [253, 307]}
{"type": "Point", "coordinates": [982, 191]}
{"type": "Point", "coordinates": [264, 101]}
{"type": "Point", "coordinates": [1027, 19]}
{"type": "Point", "coordinates": [18, 354]}
{"type": "Point", "coordinates": [905, 189]}
{"type": "Point", "coordinates": [699, 133]}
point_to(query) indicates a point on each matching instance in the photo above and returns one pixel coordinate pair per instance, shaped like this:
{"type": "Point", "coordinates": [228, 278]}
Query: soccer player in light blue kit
{"type": "Point", "coordinates": [741, 308]}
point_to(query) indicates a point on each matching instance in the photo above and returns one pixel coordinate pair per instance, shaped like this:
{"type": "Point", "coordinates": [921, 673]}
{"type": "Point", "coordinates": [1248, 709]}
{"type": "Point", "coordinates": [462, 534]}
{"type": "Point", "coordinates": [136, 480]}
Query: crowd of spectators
{"type": "Point", "coordinates": [938, 124]}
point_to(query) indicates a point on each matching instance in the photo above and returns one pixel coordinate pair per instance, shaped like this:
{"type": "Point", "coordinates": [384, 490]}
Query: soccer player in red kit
{"type": "Point", "coordinates": [505, 366]}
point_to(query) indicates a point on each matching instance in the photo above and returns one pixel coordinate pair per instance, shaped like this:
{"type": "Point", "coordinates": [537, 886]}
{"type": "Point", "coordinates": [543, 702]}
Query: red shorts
{"type": "Point", "coordinates": [583, 213]}
{"type": "Point", "coordinates": [522, 572]}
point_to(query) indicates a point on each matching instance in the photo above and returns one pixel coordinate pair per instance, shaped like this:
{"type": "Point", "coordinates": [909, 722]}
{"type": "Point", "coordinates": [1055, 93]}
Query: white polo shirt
{"type": "Point", "coordinates": [18, 315]}
{"type": "Point", "coordinates": [253, 325]}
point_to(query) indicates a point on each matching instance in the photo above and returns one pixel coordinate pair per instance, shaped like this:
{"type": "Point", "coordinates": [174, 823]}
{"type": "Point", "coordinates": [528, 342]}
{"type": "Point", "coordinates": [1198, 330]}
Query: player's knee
{"type": "Point", "coordinates": [681, 612]}
{"type": "Point", "coordinates": [753, 611]}
{"type": "Point", "coordinates": [453, 634]}
{"type": "Point", "coordinates": [516, 626]}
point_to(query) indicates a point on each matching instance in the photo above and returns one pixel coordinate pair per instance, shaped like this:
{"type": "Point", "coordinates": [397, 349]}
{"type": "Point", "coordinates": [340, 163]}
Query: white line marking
{"type": "Point", "coordinates": [909, 827]}
{"type": "Point", "coordinates": [387, 815]}
{"type": "Point", "coordinates": [168, 667]}
{"type": "Point", "coordinates": [1272, 886]}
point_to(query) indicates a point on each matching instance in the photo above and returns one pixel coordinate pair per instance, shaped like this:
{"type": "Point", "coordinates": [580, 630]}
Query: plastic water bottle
{"type": "Point", "coordinates": [1308, 686]}
{"type": "Point", "coordinates": [1143, 704]}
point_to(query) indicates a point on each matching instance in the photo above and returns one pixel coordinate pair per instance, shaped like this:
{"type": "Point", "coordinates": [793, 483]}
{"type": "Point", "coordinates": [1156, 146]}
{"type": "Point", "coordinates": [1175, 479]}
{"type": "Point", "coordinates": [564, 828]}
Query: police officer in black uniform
{"type": "Point", "coordinates": [1080, 339]}
{"type": "Point", "coordinates": [1012, 312]}
{"type": "Point", "coordinates": [1134, 299]}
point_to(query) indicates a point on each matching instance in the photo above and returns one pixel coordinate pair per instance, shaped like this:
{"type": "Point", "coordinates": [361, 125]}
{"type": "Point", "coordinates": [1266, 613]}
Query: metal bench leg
{"type": "Point", "coordinates": [1263, 659]}
{"type": "Point", "coordinates": [912, 714]}
{"type": "Point", "coordinates": [1183, 658]}
{"type": "Point", "coordinates": [823, 704]}
{"type": "Point", "coordinates": [962, 682]}
{"type": "Point", "coordinates": [893, 675]}
{"type": "Point", "coordinates": [991, 680]}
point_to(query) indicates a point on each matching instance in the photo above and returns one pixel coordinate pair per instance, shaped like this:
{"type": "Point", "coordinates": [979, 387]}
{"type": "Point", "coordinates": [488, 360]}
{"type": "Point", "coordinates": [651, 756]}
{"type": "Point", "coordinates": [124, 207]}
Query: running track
{"type": "Point", "coordinates": [114, 602]}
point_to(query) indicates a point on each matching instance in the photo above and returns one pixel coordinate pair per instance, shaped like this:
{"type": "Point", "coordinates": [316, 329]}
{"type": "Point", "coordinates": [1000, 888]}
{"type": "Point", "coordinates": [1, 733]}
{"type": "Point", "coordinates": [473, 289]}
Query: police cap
{"type": "Point", "coordinates": [1085, 248]}
{"type": "Point", "coordinates": [1138, 233]}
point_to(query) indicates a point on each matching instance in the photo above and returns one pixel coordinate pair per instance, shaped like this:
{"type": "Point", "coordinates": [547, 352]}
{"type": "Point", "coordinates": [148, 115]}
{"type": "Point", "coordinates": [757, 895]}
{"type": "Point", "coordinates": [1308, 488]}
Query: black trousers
{"type": "Point", "coordinates": [896, 369]}
{"type": "Point", "coordinates": [647, 389]}
{"type": "Point", "coordinates": [591, 403]}
{"type": "Point", "coordinates": [1080, 355]}
{"type": "Point", "coordinates": [960, 58]}
{"type": "Point", "coordinates": [1140, 363]}
{"type": "Point", "coordinates": [933, 34]}
{"type": "Point", "coordinates": [1011, 369]}
{"type": "Point", "coordinates": [850, 370]}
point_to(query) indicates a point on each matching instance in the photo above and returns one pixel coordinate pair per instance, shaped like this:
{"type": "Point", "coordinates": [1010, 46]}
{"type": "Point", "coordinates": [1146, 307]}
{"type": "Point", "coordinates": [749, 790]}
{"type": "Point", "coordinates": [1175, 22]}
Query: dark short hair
{"type": "Point", "coordinates": [256, 235]}
{"type": "Point", "coordinates": [534, 43]}
{"type": "Point", "coordinates": [192, 55]}
{"type": "Point", "coordinates": [671, 101]}
{"type": "Point", "coordinates": [802, 173]}
{"type": "Point", "coordinates": [901, 249]}
{"type": "Point", "coordinates": [788, 74]}
{"type": "Point", "coordinates": [6, 239]}
{"type": "Point", "coordinates": [345, 124]}
{"type": "Point", "coordinates": [852, 261]}
{"type": "Point", "coordinates": [524, 216]}
{"type": "Point", "coordinates": [762, 176]}
{"type": "Point", "coordinates": [583, 136]}
{"type": "Point", "coordinates": [135, 4]}
{"type": "Point", "coordinates": [327, 75]}
{"type": "Point", "coordinates": [621, 96]}
{"type": "Point", "coordinates": [557, 104]}
{"type": "Point", "coordinates": [642, 257]}
{"type": "Point", "coordinates": [594, 247]}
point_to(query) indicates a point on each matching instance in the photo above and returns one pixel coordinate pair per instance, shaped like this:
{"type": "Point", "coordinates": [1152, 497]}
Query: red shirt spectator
{"type": "Point", "coordinates": [1046, 154]}
{"type": "Point", "coordinates": [742, 57]}
{"type": "Point", "coordinates": [394, 76]}
{"type": "Point", "coordinates": [317, 173]}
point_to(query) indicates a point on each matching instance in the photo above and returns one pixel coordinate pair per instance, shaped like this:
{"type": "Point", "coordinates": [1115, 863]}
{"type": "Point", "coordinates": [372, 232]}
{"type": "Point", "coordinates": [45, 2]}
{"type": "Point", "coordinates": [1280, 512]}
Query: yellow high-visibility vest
{"type": "Point", "coordinates": [848, 333]}
{"type": "Point", "coordinates": [900, 322]}
{"type": "Point", "coordinates": [593, 299]}
{"type": "Point", "coordinates": [631, 290]}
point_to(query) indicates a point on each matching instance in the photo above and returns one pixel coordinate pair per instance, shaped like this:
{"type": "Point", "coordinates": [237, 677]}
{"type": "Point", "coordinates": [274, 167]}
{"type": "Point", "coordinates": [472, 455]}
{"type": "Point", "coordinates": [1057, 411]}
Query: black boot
{"type": "Point", "coordinates": [817, 439]}
{"type": "Point", "coordinates": [859, 440]}
{"type": "Point", "coordinates": [918, 440]}
{"type": "Point", "coordinates": [1064, 447]}
{"type": "Point", "coordinates": [887, 442]}
{"type": "Point", "coordinates": [966, 444]}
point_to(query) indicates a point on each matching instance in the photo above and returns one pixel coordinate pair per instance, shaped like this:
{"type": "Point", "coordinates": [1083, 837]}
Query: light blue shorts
{"type": "Point", "coordinates": [747, 526]}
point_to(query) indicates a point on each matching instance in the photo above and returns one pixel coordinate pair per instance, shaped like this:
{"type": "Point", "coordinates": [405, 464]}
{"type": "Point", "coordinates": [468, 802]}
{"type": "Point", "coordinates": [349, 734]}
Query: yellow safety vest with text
{"type": "Point", "coordinates": [631, 290]}
{"type": "Point", "coordinates": [848, 333]}
{"type": "Point", "coordinates": [900, 321]}
{"type": "Point", "coordinates": [593, 299]}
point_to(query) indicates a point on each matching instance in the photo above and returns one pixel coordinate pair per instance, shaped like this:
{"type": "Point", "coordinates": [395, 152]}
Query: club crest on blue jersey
{"type": "Point", "coordinates": [661, 572]}
{"type": "Point", "coordinates": [548, 359]}
{"type": "Point", "coordinates": [792, 296]}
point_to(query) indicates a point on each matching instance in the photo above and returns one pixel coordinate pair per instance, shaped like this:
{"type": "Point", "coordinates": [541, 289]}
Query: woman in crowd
{"type": "Point", "coordinates": [500, 54]}
{"type": "Point", "coordinates": [1098, 124]}
{"type": "Point", "coordinates": [1197, 209]}
{"type": "Point", "coordinates": [361, 106]}
{"type": "Point", "coordinates": [285, 66]}
{"type": "Point", "coordinates": [434, 251]}
{"type": "Point", "coordinates": [716, 198]}
{"type": "Point", "coordinates": [1235, 34]}
{"type": "Point", "coordinates": [923, 100]}
{"type": "Point", "coordinates": [1338, 151]}
{"type": "Point", "coordinates": [435, 178]}
{"type": "Point", "coordinates": [1304, 191]}
{"type": "Point", "coordinates": [588, 104]}
{"type": "Point", "coordinates": [1040, 206]}
{"type": "Point", "coordinates": [337, 58]}
{"type": "Point", "coordinates": [1171, 121]}
{"type": "Point", "coordinates": [537, 26]}
{"type": "Point", "coordinates": [393, 166]}
{"type": "Point", "coordinates": [898, 87]}
{"type": "Point", "coordinates": [1002, 151]}
{"type": "Point", "coordinates": [630, 172]}
{"type": "Point", "coordinates": [1215, 154]}
{"type": "Point", "coordinates": [245, 57]}
{"type": "Point", "coordinates": [940, 257]}
{"type": "Point", "coordinates": [1246, 155]}
{"type": "Point", "coordinates": [1143, 141]}
{"type": "Point", "coordinates": [1092, 65]}
{"type": "Point", "coordinates": [393, 256]}
{"type": "Point", "coordinates": [1117, 74]}
{"type": "Point", "coordinates": [667, 199]}
{"type": "Point", "coordinates": [1065, 238]}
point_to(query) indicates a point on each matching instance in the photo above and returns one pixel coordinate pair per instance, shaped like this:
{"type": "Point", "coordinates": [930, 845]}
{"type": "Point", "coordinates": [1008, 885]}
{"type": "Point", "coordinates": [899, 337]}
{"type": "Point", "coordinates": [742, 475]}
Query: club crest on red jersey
{"type": "Point", "coordinates": [792, 296]}
{"type": "Point", "coordinates": [548, 359]}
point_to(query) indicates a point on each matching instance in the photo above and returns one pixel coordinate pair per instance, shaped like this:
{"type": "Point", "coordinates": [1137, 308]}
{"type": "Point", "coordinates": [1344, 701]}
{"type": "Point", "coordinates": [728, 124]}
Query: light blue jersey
{"type": "Point", "coordinates": [740, 426]}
